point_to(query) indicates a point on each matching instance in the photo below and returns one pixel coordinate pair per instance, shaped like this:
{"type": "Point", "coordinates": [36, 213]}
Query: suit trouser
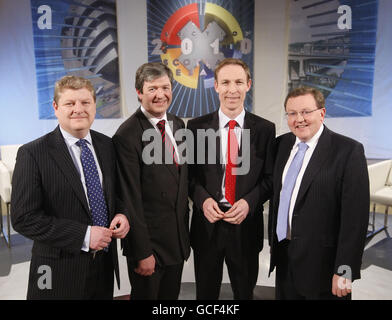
{"type": "Point", "coordinates": [242, 268]}
{"type": "Point", "coordinates": [163, 284]}
{"type": "Point", "coordinates": [285, 287]}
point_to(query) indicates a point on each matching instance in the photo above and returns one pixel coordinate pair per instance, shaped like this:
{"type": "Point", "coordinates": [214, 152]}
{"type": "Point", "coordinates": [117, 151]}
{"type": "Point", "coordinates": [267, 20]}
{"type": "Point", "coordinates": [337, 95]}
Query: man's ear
{"type": "Point", "coordinates": [322, 113]}
{"type": "Point", "coordinates": [249, 85]}
{"type": "Point", "coordinates": [139, 95]}
{"type": "Point", "coordinates": [55, 106]}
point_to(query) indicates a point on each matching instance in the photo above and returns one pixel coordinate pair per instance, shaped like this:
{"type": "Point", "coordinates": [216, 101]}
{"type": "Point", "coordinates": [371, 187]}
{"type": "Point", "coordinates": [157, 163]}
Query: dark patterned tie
{"type": "Point", "coordinates": [166, 142]}
{"type": "Point", "coordinates": [95, 194]}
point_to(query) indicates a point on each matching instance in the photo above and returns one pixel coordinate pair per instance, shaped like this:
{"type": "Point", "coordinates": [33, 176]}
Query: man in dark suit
{"type": "Point", "coordinates": [154, 188]}
{"type": "Point", "coordinates": [227, 193]}
{"type": "Point", "coordinates": [320, 206]}
{"type": "Point", "coordinates": [63, 197]}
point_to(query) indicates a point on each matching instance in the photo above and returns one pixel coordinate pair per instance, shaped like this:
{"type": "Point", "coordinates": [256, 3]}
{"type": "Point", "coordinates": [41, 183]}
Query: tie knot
{"type": "Point", "coordinates": [232, 124]}
{"type": "Point", "coordinates": [302, 146]}
{"type": "Point", "coordinates": [82, 143]}
{"type": "Point", "coordinates": [161, 124]}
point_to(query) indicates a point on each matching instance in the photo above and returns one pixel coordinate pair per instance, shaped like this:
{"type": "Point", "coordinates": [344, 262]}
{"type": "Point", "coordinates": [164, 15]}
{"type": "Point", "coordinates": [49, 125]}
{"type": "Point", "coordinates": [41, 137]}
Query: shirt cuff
{"type": "Point", "coordinates": [86, 242]}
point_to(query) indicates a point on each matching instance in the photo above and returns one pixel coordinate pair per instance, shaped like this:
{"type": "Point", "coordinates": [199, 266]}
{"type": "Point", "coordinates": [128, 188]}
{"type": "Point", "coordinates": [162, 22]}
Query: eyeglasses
{"type": "Point", "coordinates": [304, 113]}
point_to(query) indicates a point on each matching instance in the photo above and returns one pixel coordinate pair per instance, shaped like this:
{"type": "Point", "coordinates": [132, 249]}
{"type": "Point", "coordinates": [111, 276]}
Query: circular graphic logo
{"type": "Point", "coordinates": [192, 42]}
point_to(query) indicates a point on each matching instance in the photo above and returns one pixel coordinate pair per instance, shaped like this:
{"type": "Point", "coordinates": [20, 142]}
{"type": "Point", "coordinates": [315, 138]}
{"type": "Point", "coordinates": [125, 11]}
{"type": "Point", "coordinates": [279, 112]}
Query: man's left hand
{"type": "Point", "coordinates": [341, 286]}
{"type": "Point", "coordinates": [120, 226]}
{"type": "Point", "coordinates": [237, 213]}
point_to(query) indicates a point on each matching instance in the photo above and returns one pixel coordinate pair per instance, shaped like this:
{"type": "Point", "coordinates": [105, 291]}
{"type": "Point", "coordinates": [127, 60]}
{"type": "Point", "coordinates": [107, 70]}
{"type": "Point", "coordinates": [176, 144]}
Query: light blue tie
{"type": "Point", "coordinates": [287, 190]}
{"type": "Point", "coordinates": [95, 194]}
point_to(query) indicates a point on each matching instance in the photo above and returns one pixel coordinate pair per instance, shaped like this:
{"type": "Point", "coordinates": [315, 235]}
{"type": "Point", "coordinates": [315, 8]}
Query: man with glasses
{"type": "Point", "coordinates": [319, 213]}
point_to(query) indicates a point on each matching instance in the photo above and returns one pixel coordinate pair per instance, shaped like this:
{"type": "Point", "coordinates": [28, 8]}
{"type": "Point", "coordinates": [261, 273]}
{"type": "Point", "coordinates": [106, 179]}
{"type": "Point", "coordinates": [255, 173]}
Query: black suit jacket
{"type": "Point", "coordinates": [255, 186]}
{"type": "Point", "coordinates": [155, 195]}
{"type": "Point", "coordinates": [331, 212]}
{"type": "Point", "coordinates": [49, 206]}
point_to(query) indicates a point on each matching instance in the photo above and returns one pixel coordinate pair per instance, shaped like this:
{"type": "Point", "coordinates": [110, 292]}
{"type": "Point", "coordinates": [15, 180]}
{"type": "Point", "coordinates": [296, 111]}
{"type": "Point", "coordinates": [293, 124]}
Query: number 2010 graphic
{"type": "Point", "coordinates": [191, 39]}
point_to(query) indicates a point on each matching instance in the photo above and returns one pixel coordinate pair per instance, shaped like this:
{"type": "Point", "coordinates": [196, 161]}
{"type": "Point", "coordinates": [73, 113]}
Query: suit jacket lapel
{"type": "Point", "coordinates": [319, 156]}
{"type": "Point", "coordinates": [245, 152]}
{"type": "Point", "coordinates": [60, 153]}
{"type": "Point", "coordinates": [214, 125]}
{"type": "Point", "coordinates": [174, 126]}
{"type": "Point", "coordinates": [286, 145]}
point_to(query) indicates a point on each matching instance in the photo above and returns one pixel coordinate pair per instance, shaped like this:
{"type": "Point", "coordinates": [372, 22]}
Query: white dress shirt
{"type": "Point", "coordinates": [75, 153]}
{"type": "Point", "coordinates": [224, 134]}
{"type": "Point", "coordinates": [312, 143]}
{"type": "Point", "coordinates": [168, 131]}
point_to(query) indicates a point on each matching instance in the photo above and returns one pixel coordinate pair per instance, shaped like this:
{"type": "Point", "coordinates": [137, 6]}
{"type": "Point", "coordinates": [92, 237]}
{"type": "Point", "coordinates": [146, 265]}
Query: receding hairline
{"type": "Point", "coordinates": [233, 62]}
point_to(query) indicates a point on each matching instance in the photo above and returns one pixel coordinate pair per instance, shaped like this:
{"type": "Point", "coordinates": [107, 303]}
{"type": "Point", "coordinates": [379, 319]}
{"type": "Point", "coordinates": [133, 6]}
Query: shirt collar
{"type": "Point", "coordinates": [313, 141]}
{"type": "Point", "coordinates": [154, 120]}
{"type": "Point", "coordinates": [224, 120]}
{"type": "Point", "coordinates": [71, 140]}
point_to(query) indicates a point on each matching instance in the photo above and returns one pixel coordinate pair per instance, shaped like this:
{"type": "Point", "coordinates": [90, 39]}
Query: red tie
{"type": "Point", "coordinates": [168, 144]}
{"type": "Point", "coordinates": [232, 154]}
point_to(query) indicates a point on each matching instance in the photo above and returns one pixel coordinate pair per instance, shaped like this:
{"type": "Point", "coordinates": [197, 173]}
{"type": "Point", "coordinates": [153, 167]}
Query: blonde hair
{"type": "Point", "coordinates": [74, 83]}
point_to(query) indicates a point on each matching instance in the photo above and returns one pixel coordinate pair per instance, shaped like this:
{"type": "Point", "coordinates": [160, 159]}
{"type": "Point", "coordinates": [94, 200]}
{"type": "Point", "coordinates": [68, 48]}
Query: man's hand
{"type": "Point", "coordinates": [100, 237]}
{"type": "Point", "coordinates": [119, 226]}
{"type": "Point", "coordinates": [237, 213]}
{"type": "Point", "coordinates": [341, 286]}
{"type": "Point", "coordinates": [211, 210]}
{"type": "Point", "coordinates": [146, 267]}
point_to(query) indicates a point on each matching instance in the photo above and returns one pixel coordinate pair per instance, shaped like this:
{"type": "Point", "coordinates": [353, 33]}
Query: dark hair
{"type": "Point", "coordinates": [234, 61]}
{"type": "Point", "coordinates": [149, 72]}
{"type": "Point", "coordinates": [74, 83]}
{"type": "Point", "coordinates": [302, 91]}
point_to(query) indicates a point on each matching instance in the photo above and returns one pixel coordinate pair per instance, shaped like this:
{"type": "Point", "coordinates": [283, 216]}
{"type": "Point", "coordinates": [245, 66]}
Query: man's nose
{"type": "Point", "coordinates": [301, 117]}
{"type": "Point", "coordinates": [232, 87]}
{"type": "Point", "coordinates": [160, 92]}
{"type": "Point", "coordinates": [78, 107]}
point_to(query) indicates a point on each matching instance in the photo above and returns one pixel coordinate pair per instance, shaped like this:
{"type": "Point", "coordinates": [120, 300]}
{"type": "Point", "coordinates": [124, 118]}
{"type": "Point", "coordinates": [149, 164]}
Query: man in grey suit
{"type": "Point", "coordinates": [64, 198]}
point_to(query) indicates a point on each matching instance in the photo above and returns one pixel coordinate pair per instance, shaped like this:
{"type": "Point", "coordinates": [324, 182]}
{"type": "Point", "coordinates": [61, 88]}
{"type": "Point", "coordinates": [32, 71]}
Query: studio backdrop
{"type": "Point", "coordinates": [342, 47]}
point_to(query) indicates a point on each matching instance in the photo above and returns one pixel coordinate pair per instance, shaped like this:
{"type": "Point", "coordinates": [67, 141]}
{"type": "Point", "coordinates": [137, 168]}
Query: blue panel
{"type": "Point", "coordinates": [338, 62]}
{"type": "Point", "coordinates": [81, 40]}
